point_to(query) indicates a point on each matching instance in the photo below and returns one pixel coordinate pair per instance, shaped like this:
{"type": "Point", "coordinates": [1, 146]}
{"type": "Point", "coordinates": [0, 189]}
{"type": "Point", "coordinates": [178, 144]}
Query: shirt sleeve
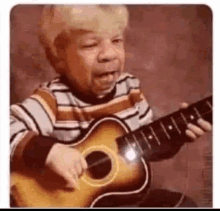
{"type": "Point", "coordinates": [31, 124]}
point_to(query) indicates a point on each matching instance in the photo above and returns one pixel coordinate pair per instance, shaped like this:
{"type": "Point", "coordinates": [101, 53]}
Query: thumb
{"type": "Point", "coordinates": [71, 180]}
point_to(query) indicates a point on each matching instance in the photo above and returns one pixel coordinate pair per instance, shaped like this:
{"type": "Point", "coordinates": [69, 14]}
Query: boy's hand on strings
{"type": "Point", "coordinates": [193, 131]}
{"type": "Point", "coordinates": [66, 162]}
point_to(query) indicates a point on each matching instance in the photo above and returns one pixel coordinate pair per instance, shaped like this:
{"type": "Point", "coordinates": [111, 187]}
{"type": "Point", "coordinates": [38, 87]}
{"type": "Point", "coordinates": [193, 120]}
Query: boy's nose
{"type": "Point", "coordinates": [107, 53]}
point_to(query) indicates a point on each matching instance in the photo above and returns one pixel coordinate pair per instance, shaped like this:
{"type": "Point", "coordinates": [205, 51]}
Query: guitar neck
{"type": "Point", "coordinates": [166, 131]}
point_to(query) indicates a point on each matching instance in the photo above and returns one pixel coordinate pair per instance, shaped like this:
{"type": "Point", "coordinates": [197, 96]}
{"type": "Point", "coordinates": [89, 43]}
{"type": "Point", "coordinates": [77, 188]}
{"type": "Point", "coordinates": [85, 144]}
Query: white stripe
{"type": "Point", "coordinates": [123, 88]}
{"type": "Point", "coordinates": [58, 86]}
{"type": "Point", "coordinates": [147, 119]}
{"type": "Point", "coordinates": [126, 74]}
{"type": "Point", "coordinates": [62, 98]}
{"type": "Point", "coordinates": [45, 106]}
{"type": "Point", "coordinates": [63, 135]}
{"type": "Point", "coordinates": [125, 113]}
{"type": "Point", "coordinates": [16, 126]}
{"type": "Point", "coordinates": [18, 138]}
{"type": "Point", "coordinates": [72, 124]}
{"type": "Point", "coordinates": [40, 116]}
{"type": "Point", "coordinates": [17, 111]}
{"type": "Point", "coordinates": [56, 80]}
{"type": "Point", "coordinates": [13, 119]}
{"type": "Point", "coordinates": [133, 123]}
{"type": "Point", "coordinates": [143, 106]}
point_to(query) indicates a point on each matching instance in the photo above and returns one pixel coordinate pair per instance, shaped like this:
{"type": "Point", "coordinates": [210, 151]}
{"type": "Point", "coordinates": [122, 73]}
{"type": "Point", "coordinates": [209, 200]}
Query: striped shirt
{"type": "Point", "coordinates": [57, 113]}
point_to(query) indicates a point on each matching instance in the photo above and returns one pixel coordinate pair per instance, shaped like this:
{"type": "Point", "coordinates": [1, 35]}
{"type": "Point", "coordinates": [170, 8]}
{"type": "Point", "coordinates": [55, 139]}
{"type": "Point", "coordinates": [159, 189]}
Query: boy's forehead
{"type": "Point", "coordinates": [100, 34]}
{"type": "Point", "coordinates": [101, 27]}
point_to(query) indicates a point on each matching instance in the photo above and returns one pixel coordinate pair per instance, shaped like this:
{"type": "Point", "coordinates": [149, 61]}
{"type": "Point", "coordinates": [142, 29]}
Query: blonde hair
{"type": "Point", "coordinates": [59, 21]}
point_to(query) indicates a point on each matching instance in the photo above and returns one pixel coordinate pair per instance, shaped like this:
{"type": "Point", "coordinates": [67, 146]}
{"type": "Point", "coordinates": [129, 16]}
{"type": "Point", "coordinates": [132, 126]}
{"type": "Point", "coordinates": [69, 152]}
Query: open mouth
{"type": "Point", "coordinates": [106, 80]}
{"type": "Point", "coordinates": [108, 77]}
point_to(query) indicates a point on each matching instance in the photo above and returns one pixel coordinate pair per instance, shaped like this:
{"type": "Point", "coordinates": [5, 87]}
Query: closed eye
{"type": "Point", "coordinates": [118, 40]}
{"type": "Point", "coordinates": [89, 45]}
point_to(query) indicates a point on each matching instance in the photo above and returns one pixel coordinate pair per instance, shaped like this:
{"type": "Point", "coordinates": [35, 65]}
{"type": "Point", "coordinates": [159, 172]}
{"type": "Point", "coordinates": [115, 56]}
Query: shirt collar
{"type": "Point", "coordinates": [88, 98]}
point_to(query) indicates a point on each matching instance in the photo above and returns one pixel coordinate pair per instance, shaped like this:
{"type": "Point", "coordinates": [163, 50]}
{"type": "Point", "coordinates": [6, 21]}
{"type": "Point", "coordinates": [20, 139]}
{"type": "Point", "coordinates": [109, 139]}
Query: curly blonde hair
{"type": "Point", "coordinates": [58, 22]}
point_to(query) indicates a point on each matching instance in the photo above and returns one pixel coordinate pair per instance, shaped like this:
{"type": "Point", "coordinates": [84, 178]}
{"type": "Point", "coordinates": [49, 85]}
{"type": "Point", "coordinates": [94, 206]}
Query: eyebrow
{"type": "Point", "coordinates": [87, 37]}
{"type": "Point", "coordinates": [95, 37]}
{"type": "Point", "coordinates": [118, 35]}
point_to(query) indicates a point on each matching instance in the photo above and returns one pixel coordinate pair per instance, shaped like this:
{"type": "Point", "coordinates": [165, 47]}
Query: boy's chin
{"type": "Point", "coordinates": [103, 93]}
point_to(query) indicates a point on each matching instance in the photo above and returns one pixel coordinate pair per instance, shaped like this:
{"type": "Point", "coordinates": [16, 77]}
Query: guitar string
{"type": "Point", "coordinates": [145, 151]}
{"type": "Point", "coordinates": [99, 162]}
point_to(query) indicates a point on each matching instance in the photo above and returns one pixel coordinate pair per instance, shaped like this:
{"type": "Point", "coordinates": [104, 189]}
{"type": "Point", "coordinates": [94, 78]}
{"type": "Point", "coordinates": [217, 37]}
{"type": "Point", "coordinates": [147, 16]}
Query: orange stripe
{"type": "Point", "coordinates": [48, 98]}
{"type": "Point", "coordinates": [86, 114]}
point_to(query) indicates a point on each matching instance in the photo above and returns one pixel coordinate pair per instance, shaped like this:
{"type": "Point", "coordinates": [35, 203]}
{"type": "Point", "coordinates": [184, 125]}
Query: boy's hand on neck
{"type": "Point", "coordinates": [194, 131]}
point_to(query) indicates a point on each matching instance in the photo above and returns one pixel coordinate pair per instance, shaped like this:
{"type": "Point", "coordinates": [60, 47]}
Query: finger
{"type": "Point", "coordinates": [73, 179]}
{"type": "Point", "coordinates": [68, 178]}
{"type": "Point", "coordinates": [195, 129]}
{"type": "Point", "coordinates": [190, 134]}
{"type": "Point", "coordinates": [183, 105]}
{"type": "Point", "coordinates": [204, 125]}
{"type": "Point", "coordinates": [78, 167]}
{"type": "Point", "coordinates": [83, 163]}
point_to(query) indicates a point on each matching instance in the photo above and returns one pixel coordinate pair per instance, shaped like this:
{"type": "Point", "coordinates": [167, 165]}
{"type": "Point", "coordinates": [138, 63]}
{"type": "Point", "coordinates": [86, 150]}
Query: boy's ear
{"type": "Point", "coordinates": [60, 53]}
{"type": "Point", "coordinates": [60, 66]}
{"type": "Point", "coordinates": [60, 63]}
{"type": "Point", "coordinates": [56, 60]}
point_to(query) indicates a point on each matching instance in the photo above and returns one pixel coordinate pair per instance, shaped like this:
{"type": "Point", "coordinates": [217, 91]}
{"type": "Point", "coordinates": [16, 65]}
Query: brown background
{"type": "Point", "coordinates": [169, 48]}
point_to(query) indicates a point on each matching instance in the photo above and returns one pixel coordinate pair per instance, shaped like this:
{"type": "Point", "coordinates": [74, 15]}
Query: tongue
{"type": "Point", "coordinates": [107, 78]}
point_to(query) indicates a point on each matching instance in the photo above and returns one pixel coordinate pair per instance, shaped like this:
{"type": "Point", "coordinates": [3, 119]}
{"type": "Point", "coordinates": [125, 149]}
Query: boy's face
{"type": "Point", "coordinates": [95, 60]}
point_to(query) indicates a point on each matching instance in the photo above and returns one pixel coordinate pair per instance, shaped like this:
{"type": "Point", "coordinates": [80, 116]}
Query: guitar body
{"type": "Point", "coordinates": [113, 176]}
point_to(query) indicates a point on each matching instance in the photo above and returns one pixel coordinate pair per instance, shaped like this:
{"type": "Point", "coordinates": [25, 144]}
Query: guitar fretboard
{"type": "Point", "coordinates": [167, 131]}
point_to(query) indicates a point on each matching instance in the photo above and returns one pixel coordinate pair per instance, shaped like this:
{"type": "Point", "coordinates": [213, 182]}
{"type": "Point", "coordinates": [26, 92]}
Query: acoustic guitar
{"type": "Point", "coordinates": [117, 161]}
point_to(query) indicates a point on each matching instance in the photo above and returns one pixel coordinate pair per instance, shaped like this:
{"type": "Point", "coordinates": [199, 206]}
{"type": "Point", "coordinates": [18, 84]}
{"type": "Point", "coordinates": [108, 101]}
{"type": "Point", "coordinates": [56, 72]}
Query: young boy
{"type": "Point", "coordinates": [85, 45]}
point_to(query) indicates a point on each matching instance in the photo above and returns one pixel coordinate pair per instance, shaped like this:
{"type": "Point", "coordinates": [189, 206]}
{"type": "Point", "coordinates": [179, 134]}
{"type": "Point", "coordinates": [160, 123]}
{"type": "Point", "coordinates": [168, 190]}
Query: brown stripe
{"type": "Point", "coordinates": [48, 98]}
{"type": "Point", "coordinates": [99, 111]}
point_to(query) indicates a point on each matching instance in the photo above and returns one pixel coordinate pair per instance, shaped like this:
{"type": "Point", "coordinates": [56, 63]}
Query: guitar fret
{"type": "Point", "coordinates": [175, 125]}
{"type": "Point", "coordinates": [209, 104]}
{"type": "Point", "coordinates": [148, 144]}
{"type": "Point", "coordinates": [154, 135]}
{"type": "Point", "coordinates": [128, 142]}
{"type": "Point", "coordinates": [183, 118]}
{"type": "Point", "coordinates": [197, 112]}
{"type": "Point", "coordinates": [138, 143]}
{"type": "Point", "coordinates": [164, 129]}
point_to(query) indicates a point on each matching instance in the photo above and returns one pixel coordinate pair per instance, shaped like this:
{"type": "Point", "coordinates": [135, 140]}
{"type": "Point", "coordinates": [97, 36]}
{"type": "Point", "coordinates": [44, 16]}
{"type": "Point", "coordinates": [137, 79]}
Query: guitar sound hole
{"type": "Point", "coordinates": [99, 164]}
